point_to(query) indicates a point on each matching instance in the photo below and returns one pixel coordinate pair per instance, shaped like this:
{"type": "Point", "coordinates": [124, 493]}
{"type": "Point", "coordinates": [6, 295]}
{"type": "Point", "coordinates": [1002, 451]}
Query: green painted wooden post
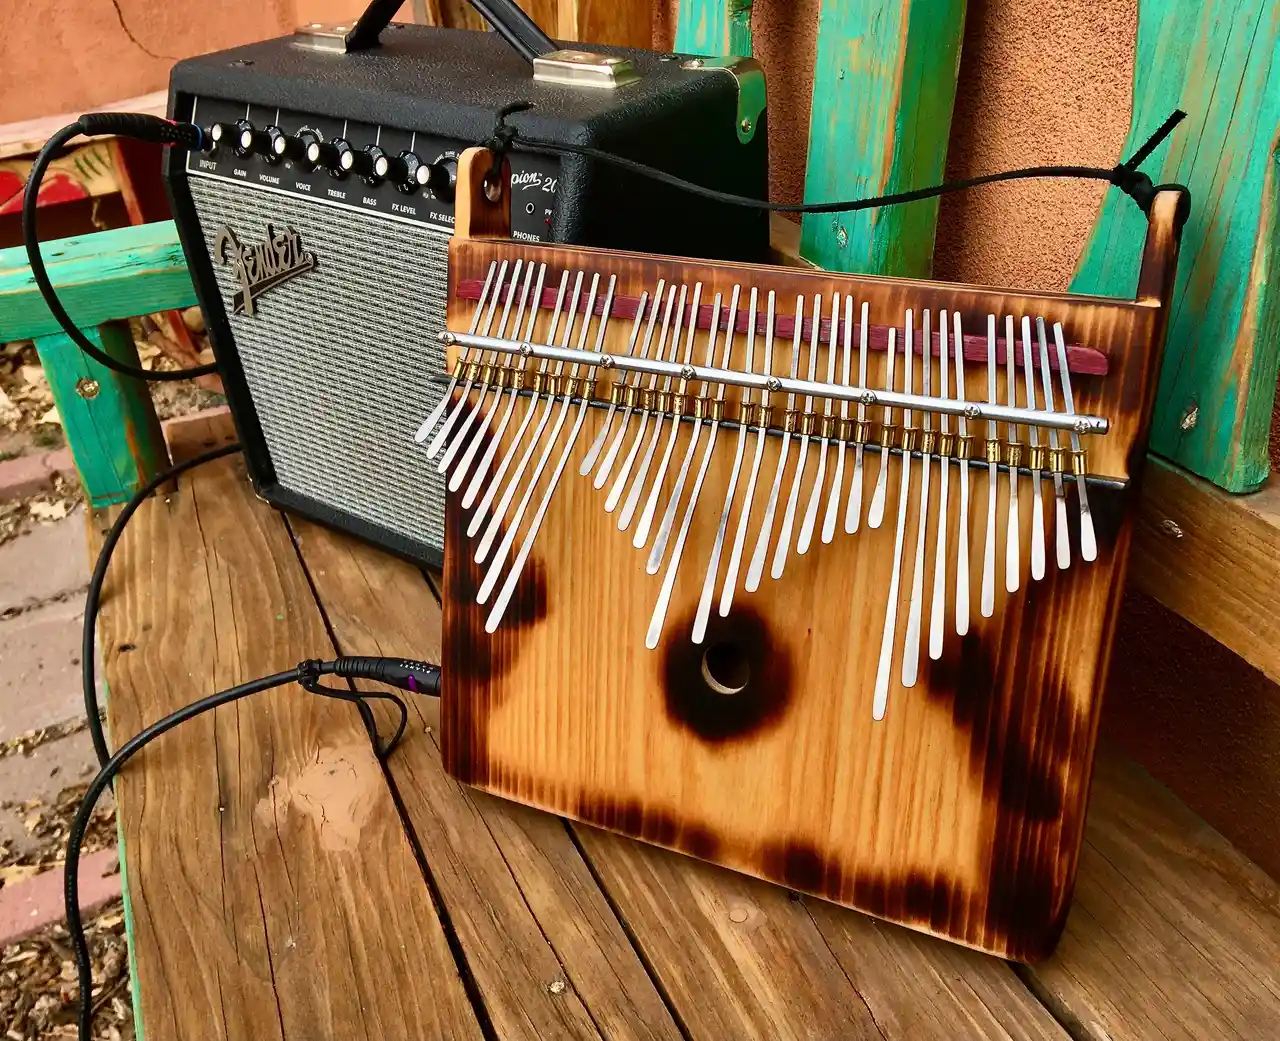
{"type": "Point", "coordinates": [1220, 63]}
{"type": "Point", "coordinates": [109, 420]}
{"type": "Point", "coordinates": [716, 27]}
{"type": "Point", "coordinates": [883, 90]}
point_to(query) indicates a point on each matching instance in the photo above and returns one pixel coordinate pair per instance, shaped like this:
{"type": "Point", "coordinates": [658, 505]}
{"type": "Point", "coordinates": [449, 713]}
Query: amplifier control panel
{"type": "Point", "coordinates": [402, 174]}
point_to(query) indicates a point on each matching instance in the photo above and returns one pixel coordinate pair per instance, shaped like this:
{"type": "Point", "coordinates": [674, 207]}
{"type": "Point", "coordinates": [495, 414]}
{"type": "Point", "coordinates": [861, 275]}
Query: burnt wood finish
{"type": "Point", "coordinates": [961, 812]}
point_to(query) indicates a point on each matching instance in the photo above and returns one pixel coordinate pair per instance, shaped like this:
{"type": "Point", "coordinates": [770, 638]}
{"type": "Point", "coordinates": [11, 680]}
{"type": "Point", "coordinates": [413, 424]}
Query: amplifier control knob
{"type": "Point", "coordinates": [296, 148]}
{"type": "Point", "coordinates": [336, 156]}
{"type": "Point", "coordinates": [238, 135]}
{"type": "Point", "coordinates": [268, 143]}
{"type": "Point", "coordinates": [371, 164]}
{"type": "Point", "coordinates": [407, 172]}
{"type": "Point", "coordinates": [442, 178]}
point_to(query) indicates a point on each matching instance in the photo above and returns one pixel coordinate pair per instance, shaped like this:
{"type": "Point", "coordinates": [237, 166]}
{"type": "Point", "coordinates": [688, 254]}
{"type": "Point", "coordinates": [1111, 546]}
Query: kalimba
{"type": "Point", "coordinates": [809, 575]}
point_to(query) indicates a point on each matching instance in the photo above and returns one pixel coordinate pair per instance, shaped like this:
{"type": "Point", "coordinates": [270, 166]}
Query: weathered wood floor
{"type": "Point", "coordinates": [282, 885]}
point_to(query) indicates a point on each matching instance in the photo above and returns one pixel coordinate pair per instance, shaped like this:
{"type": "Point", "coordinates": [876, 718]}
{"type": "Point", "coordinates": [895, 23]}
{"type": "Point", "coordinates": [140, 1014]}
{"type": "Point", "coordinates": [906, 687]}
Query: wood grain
{"type": "Point", "coordinates": [527, 911]}
{"type": "Point", "coordinates": [1214, 558]}
{"type": "Point", "coordinates": [1220, 64]}
{"type": "Point", "coordinates": [1174, 936]}
{"type": "Point", "coordinates": [714, 27]}
{"type": "Point", "coordinates": [272, 891]}
{"type": "Point", "coordinates": [962, 814]}
{"type": "Point", "coordinates": [884, 84]}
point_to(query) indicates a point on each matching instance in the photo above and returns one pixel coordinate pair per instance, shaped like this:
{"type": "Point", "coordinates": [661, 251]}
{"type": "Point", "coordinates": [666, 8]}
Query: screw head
{"type": "Point", "coordinates": [692, 63]}
{"type": "Point", "coordinates": [526, 349]}
{"type": "Point", "coordinates": [556, 986]}
{"type": "Point", "coordinates": [868, 397]}
{"type": "Point", "coordinates": [745, 125]}
{"type": "Point", "coordinates": [773, 383]}
{"type": "Point", "coordinates": [1082, 426]}
{"type": "Point", "coordinates": [88, 388]}
{"type": "Point", "coordinates": [1190, 417]}
{"type": "Point", "coordinates": [842, 237]}
{"type": "Point", "coordinates": [972, 411]}
{"type": "Point", "coordinates": [1171, 528]}
{"type": "Point", "coordinates": [606, 361]}
{"type": "Point", "coordinates": [688, 372]}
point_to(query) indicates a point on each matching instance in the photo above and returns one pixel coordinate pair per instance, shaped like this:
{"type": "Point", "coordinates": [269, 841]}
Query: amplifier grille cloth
{"type": "Point", "coordinates": [338, 360]}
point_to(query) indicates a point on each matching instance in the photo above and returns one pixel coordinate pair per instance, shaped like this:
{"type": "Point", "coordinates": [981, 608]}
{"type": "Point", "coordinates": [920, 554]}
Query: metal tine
{"type": "Point", "coordinates": [793, 499]}
{"type": "Point", "coordinates": [589, 460]}
{"type": "Point", "coordinates": [915, 611]}
{"type": "Point", "coordinates": [988, 602]}
{"type": "Point", "coordinates": [650, 506]}
{"type": "Point", "coordinates": [1062, 536]}
{"type": "Point", "coordinates": [669, 515]}
{"type": "Point", "coordinates": [944, 469]}
{"type": "Point", "coordinates": [1088, 540]}
{"type": "Point", "coordinates": [744, 518]}
{"type": "Point", "coordinates": [962, 440]}
{"type": "Point", "coordinates": [755, 570]}
{"type": "Point", "coordinates": [819, 482]}
{"type": "Point", "coordinates": [880, 697]}
{"type": "Point", "coordinates": [853, 513]}
{"type": "Point", "coordinates": [429, 423]}
{"type": "Point", "coordinates": [659, 414]}
{"type": "Point", "coordinates": [620, 483]}
{"type": "Point", "coordinates": [500, 512]}
{"type": "Point", "coordinates": [438, 441]}
{"type": "Point", "coordinates": [513, 576]}
{"type": "Point", "coordinates": [633, 382]}
{"type": "Point", "coordinates": [875, 514]}
{"type": "Point", "coordinates": [508, 540]}
{"type": "Point", "coordinates": [1033, 439]}
{"type": "Point", "coordinates": [651, 503]}
{"type": "Point", "coordinates": [657, 620]}
{"type": "Point", "coordinates": [517, 442]}
{"type": "Point", "coordinates": [713, 564]}
{"type": "Point", "coordinates": [468, 457]}
{"type": "Point", "coordinates": [1012, 563]}
{"type": "Point", "coordinates": [837, 486]}
{"type": "Point", "coordinates": [477, 477]}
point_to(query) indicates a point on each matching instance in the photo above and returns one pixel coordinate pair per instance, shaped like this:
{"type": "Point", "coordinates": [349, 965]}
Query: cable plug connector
{"type": "Point", "coordinates": [144, 127]}
{"type": "Point", "coordinates": [419, 677]}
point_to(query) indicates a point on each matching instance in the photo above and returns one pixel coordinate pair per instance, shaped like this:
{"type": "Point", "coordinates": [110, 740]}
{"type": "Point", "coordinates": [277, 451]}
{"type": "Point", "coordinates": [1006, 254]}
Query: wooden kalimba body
{"type": "Point", "coordinates": [810, 575]}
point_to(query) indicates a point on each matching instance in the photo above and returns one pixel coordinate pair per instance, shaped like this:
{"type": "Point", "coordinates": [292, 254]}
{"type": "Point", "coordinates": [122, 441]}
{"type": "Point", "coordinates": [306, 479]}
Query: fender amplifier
{"type": "Point", "coordinates": [317, 227]}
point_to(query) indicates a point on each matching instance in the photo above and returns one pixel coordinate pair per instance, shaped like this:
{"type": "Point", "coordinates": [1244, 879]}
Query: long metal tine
{"type": "Point", "coordinates": [789, 514]}
{"type": "Point", "coordinates": [513, 576]}
{"type": "Point", "coordinates": [517, 377]}
{"type": "Point", "coordinates": [744, 517]}
{"type": "Point", "coordinates": [824, 439]}
{"type": "Point", "coordinates": [468, 457]}
{"type": "Point", "coordinates": [517, 442]}
{"type": "Point", "coordinates": [713, 564]}
{"type": "Point", "coordinates": [673, 503]}
{"type": "Point", "coordinates": [620, 483]}
{"type": "Point", "coordinates": [499, 514]}
{"type": "Point", "coordinates": [429, 423]}
{"type": "Point", "coordinates": [442, 434]}
{"type": "Point", "coordinates": [1013, 537]}
{"type": "Point", "coordinates": [1062, 536]}
{"type": "Point", "coordinates": [944, 518]}
{"type": "Point", "coordinates": [853, 513]}
{"type": "Point", "coordinates": [651, 503]}
{"type": "Point", "coordinates": [837, 485]}
{"type": "Point", "coordinates": [658, 413]}
{"type": "Point", "coordinates": [915, 611]}
{"type": "Point", "coordinates": [633, 384]}
{"type": "Point", "coordinates": [1088, 539]}
{"type": "Point", "coordinates": [987, 604]}
{"type": "Point", "coordinates": [875, 514]}
{"type": "Point", "coordinates": [962, 543]}
{"type": "Point", "coordinates": [589, 460]}
{"type": "Point", "coordinates": [1033, 439]}
{"type": "Point", "coordinates": [880, 697]}
{"type": "Point", "coordinates": [755, 569]}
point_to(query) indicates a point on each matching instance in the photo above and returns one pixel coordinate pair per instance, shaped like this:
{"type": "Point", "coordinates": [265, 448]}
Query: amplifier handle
{"type": "Point", "coordinates": [511, 23]}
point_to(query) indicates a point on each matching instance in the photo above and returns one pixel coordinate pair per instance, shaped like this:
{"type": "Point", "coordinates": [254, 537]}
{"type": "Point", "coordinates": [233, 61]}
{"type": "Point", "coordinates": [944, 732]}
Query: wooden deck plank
{"type": "Point", "coordinates": [1174, 934]}
{"type": "Point", "coordinates": [527, 912]}
{"type": "Point", "coordinates": [273, 891]}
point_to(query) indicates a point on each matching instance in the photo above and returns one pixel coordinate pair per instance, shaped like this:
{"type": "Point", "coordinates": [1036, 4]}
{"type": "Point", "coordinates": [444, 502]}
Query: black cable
{"type": "Point", "coordinates": [147, 128]}
{"type": "Point", "coordinates": [88, 648]}
{"type": "Point", "coordinates": [416, 676]}
{"type": "Point", "coordinates": [1126, 176]}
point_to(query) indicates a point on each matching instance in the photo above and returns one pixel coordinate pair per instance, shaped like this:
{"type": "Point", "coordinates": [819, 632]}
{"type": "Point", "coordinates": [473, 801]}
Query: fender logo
{"type": "Point", "coordinates": [262, 266]}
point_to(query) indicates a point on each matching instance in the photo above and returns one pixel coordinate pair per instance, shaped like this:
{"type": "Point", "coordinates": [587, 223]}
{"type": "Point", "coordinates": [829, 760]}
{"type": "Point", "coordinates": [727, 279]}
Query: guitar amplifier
{"type": "Point", "coordinates": [317, 227]}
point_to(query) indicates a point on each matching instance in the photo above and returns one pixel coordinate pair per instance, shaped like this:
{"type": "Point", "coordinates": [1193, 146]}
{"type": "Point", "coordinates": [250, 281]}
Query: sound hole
{"type": "Point", "coordinates": [725, 668]}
